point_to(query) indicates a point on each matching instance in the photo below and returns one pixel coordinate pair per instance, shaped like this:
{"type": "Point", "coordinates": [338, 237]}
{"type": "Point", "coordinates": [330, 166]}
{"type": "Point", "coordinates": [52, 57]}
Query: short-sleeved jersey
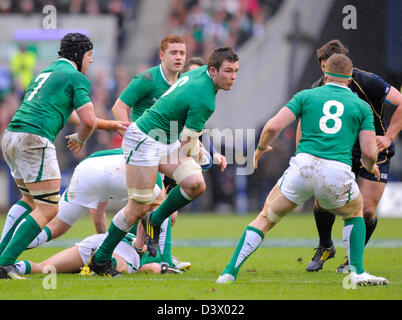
{"type": "Point", "coordinates": [372, 89]}
{"type": "Point", "coordinates": [144, 90]}
{"type": "Point", "coordinates": [50, 99]}
{"type": "Point", "coordinates": [189, 102]}
{"type": "Point", "coordinates": [331, 119]}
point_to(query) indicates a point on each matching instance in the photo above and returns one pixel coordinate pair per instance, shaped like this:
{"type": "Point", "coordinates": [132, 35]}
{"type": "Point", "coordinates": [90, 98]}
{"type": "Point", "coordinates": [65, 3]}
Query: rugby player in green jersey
{"type": "Point", "coordinates": [52, 96]}
{"type": "Point", "coordinates": [166, 139]}
{"type": "Point", "coordinates": [321, 167]}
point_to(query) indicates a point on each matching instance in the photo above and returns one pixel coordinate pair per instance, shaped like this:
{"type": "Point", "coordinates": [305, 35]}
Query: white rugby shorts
{"type": "Point", "coordinates": [141, 150]}
{"type": "Point", "coordinates": [30, 157]}
{"type": "Point", "coordinates": [123, 249]}
{"type": "Point", "coordinates": [331, 182]}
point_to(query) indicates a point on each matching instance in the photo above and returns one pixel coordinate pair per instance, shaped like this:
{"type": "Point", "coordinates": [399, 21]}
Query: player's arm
{"type": "Point", "coordinates": [298, 133]}
{"type": "Point", "coordinates": [368, 147]}
{"type": "Point", "coordinates": [102, 124]}
{"type": "Point", "coordinates": [394, 98]}
{"type": "Point", "coordinates": [99, 217]}
{"type": "Point", "coordinates": [87, 118]}
{"type": "Point", "coordinates": [271, 131]}
{"type": "Point", "coordinates": [121, 112]}
{"type": "Point", "coordinates": [218, 158]}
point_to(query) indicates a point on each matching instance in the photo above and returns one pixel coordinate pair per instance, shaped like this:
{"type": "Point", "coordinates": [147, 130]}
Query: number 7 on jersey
{"type": "Point", "coordinates": [44, 76]}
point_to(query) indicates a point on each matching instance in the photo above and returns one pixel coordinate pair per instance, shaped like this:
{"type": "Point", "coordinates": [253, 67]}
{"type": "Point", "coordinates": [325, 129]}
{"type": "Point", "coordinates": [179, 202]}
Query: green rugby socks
{"type": "Point", "coordinates": [249, 242]}
{"type": "Point", "coordinates": [354, 233]}
{"type": "Point", "coordinates": [14, 216]}
{"type": "Point", "coordinates": [25, 232]}
{"type": "Point", "coordinates": [175, 200]}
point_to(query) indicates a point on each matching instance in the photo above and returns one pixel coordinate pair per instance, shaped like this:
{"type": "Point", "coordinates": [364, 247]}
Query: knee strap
{"type": "Point", "coordinates": [46, 197]}
{"type": "Point", "coordinates": [186, 169]}
{"type": "Point", "coordinates": [145, 196]}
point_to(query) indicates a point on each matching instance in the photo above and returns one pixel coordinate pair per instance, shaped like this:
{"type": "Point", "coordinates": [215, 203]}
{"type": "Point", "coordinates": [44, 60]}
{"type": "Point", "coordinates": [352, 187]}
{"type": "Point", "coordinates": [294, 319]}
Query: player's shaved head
{"type": "Point", "coordinates": [339, 64]}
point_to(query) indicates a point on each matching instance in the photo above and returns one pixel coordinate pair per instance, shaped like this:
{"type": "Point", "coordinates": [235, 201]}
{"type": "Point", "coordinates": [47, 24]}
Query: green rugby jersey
{"type": "Point", "coordinates": [189, 102]}
{"type": "Point", "coordinates": [144, 90]}
{"type": "Point", "coordinates": [331, 118]}
{"type": "Point", "coordinates": [50, 99]}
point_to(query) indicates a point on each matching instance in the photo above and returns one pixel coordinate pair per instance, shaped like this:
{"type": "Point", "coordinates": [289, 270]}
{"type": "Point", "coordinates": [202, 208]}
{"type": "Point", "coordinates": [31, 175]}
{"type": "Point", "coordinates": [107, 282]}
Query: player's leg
{"type": "Point", "coordinates": [67, 215]}
{"type": "Point", "coordinates": [324, 221]}
{"type": "Point", "coordinates": [66, 261]}
{"type": "Point", "coordinates": [45, 196]}
{"type": "Point", "coordinates": [354, 234]}
{"type": "Point", "coordinates": [326, 250]}
{"type": "Point", "coordinates": [140, 183]}
{"type": "Point", "coordinates": [17, 212]}
{"type": "Point", "coordinates": [188, 175]}
{"type": "Point", "coordinates": [372, 192]}
{"type": "Point", "coordinates": [276, 206]}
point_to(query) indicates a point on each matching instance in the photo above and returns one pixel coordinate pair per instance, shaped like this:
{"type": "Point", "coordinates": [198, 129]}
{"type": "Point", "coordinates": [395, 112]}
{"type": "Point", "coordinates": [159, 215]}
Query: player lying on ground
{"type": "Point", "coordinates": [321, 166]}
{"type": "Point", "coordinates": [72, 260]}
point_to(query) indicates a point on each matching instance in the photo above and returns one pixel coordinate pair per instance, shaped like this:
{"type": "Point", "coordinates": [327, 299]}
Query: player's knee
{"type": "Point", "coordinates": [194, 186]}
{"type": "Point", "coordinates": [369, 213]}
{"type": "Point", "coordinates": [141, 196]}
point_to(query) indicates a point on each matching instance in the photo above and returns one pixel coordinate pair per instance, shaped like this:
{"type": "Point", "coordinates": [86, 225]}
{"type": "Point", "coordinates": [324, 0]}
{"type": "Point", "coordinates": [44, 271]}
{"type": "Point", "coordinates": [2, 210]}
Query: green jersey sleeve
{"type": "Point", "coordinates": [367, 119]}
{"type": "Point", "coordinates": [197, 115]}
{"type": "Point", "coordinates": [296, 103]}
{"type": "Point", "coordinates": [81, 90]}
{"type": "Point", "coordinates": [137, 89]}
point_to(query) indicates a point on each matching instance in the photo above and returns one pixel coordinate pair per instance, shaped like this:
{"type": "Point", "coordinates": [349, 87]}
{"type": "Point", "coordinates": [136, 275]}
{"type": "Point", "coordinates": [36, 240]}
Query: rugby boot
{"type": "Point", "coordinates": [320, 257]}
{"type": "Point", "coordinates": [226, 278]}
{"type": "Point", "coordinates": [181, 265]}
{"type": "Point", "coordinates": [344, 267]}
{"type": "Point", "coordinates": [152, 234]}
{"type": "Point", "coordinates": [366, 279]}
{"type": "Point", "coordinates": [106, 269]}
{"type": "Point", "coordinates": [165, 269]}
{"type": "Point", "coordinates": [10, 272]}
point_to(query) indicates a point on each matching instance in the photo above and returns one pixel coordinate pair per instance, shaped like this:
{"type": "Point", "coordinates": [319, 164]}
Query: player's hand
{"type": "Point", "coordinates": [220, 161]}
{"type": "Point", "coordinates": [74, 144]}
{"type": "Point", "coordinates": [376, 171]}
{"type": "Point", "coordinates": [258, 153]}
{"type": "Point", "coordinates": [383, 142]}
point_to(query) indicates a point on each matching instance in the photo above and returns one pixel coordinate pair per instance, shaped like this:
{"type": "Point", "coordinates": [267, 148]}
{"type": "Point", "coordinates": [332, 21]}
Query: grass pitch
{"type": "Point", "coordinates": [276, 271]}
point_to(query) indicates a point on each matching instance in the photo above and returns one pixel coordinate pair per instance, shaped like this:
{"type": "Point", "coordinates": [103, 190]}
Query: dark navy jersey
{"type": "Point", "coordinates": [372, 89]}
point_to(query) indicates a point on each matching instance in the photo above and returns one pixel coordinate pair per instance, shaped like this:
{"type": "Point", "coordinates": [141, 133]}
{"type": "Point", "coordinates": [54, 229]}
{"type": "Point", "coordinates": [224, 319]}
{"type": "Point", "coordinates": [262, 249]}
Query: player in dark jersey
{"type": "Point", "coordinates": [375, 91]}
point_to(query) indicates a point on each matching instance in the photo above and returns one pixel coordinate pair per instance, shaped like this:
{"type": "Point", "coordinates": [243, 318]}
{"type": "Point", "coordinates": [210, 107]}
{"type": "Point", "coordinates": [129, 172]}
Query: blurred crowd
{"type": "Point", "coordinates": [207, 24]}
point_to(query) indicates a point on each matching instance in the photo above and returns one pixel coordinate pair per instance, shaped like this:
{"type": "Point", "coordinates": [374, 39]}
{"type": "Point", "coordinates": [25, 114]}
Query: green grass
{"type": "Point", "coordinates": [270, 273]}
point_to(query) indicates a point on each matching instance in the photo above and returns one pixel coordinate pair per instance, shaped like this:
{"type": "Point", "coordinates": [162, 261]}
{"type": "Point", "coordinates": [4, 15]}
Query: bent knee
{"type": "Point", "coordinates": [194, 186]}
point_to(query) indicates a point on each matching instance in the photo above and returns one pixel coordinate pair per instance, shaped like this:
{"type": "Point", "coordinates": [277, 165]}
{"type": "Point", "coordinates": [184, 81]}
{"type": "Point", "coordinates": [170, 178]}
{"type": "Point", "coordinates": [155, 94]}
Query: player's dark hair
{"type": "Point", "coordinates": [194, 60]}
{"type": "Point", "coordinates": [73, 47]}
{"type": "Point", "coordinates": [331, 47]}
{"type": "Point", "coordinates": [221, 54]}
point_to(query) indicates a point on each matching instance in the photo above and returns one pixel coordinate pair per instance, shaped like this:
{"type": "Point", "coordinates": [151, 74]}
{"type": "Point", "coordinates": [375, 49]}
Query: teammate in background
{"type": "Point", "coordinates": [193, 63]}
{"type": "Point", "coordinates": [321, 166]}
{"type": "Point", "coordinates": [28, 145]}
{"type": "Point", "coordinates": [375, 91]}
{"type": "Point", "coordinates": [72, 260]}
{"type": "Point", "coordinates": [165, 138]}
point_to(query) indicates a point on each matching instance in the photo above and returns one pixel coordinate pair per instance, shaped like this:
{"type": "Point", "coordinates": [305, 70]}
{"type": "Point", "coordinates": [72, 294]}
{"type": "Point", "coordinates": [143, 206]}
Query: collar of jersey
{"type": "Point", "coordinates": [163, 74]}
{"type": "Point", "coordinates": [337, 85]}
{"type": "Point", "coordinates": [64, 59]}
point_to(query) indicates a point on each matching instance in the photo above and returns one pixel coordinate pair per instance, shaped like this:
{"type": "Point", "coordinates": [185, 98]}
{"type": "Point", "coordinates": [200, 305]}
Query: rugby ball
{"type": "Point", "coordinates": [206, 161]}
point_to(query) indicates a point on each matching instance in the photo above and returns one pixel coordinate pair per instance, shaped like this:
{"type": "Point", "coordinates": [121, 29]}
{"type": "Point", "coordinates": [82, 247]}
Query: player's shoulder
{"type": "Point", "coordinates": [366, 78]}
